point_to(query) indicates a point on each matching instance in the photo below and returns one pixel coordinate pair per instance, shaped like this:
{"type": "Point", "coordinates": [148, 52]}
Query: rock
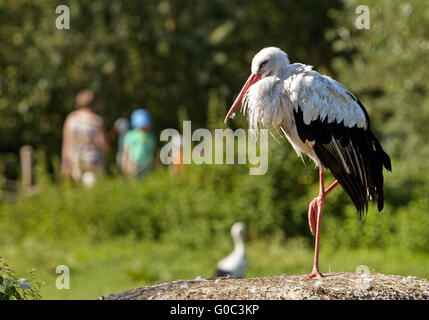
{"type": "Point", "coordinates": [335, 286]}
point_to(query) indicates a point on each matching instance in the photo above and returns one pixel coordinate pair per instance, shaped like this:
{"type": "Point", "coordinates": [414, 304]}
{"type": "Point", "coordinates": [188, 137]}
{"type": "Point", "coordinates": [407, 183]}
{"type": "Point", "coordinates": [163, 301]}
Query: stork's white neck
{"type": "Point", "coordinates": [281, 73]}
{"type": "Point", "coordinates": [239, 245]}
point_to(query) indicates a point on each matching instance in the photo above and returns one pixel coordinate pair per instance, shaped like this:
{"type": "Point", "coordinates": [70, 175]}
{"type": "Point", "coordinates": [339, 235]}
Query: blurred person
{"type": "Point", "coordinates": [120, 129]}
{"type": "Point", "coordinates": [177, 166]}
{"type": "Point", "coordinates": [84, 141]}
{"type": "Point", "coordinates": [139, 145]}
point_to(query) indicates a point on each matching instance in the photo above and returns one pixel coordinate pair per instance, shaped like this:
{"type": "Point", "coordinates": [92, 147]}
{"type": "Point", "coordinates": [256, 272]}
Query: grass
{"type": "Point", "coordinates": [104, 267]}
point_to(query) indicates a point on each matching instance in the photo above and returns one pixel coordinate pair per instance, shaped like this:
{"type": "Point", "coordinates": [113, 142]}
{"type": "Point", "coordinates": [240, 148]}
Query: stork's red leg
{"type": "Point", "coordinates": [312, 211]}
{"type": "Point", "coordinates": [331, 187]}
{"type": "Point", "coordinates": [315, 220]}
{"type": "Point", "coordinates": [312, 208]}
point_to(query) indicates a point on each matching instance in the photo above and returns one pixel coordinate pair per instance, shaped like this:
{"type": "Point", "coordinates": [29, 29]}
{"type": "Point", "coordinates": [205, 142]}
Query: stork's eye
{"type": "Point", "coordinates": [263, 64]}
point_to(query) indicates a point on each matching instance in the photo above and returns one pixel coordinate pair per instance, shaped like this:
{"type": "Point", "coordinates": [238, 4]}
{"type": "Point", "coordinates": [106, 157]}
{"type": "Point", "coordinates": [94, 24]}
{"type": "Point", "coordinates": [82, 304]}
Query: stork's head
{"type": "Point", "coordinates": [267, 62]}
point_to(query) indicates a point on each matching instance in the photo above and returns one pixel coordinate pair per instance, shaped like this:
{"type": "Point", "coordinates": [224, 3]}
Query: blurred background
{"type": "Point", "coordinates": [187, 60]}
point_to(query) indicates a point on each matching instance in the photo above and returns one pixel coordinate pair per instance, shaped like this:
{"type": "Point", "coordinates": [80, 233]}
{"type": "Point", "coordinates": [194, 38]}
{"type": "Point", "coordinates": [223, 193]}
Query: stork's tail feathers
{"type": "Point", "coordinates": [362, 176]}
{"type": "Point", "coordinates": [380, 159]}
{"type": "Point", "coordinates": [353, 155]}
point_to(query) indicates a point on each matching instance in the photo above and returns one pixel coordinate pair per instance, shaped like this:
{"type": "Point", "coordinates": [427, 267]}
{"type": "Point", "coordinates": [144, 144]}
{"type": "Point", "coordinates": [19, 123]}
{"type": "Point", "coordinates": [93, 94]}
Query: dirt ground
{"type": "Point", "coordinates": [335, 286]}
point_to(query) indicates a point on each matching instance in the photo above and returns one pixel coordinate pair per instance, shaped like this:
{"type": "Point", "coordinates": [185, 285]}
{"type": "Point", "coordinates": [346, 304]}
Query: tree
{"type": "Point", "coordinates": [386, 69]}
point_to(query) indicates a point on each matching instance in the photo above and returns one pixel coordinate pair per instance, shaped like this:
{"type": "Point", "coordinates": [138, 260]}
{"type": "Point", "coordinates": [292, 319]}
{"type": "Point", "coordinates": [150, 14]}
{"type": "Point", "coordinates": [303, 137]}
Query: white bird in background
{"type": "Point", "coordinates": [234, 265]}
{"type": "Point", "coordinates": [321, 119]}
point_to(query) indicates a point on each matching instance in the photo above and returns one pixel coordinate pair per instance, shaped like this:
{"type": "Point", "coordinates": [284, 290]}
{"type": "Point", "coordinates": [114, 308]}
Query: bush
{"type": "Point", "coordinates": [191, 208]}
{"type": "Point", "coordinates": [12, 288]}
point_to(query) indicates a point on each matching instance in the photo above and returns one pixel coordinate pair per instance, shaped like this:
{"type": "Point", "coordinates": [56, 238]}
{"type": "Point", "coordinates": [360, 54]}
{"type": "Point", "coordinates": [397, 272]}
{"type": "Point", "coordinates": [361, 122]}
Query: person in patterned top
{"type": "Point", "coordinates": [84, 140]}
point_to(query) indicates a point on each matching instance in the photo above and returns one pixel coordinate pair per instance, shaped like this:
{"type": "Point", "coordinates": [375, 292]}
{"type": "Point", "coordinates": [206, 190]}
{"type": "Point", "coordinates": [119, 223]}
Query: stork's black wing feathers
{"type": "Point", "coordinates": [353, 155]}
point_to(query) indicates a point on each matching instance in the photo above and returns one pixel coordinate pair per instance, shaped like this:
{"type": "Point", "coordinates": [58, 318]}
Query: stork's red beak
{"type": "Point", "coordinates": [237, 103]}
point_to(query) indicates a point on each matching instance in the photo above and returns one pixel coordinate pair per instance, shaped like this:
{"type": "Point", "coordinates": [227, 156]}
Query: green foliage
{"type": "Point", "coordinates": [406, 228]}
{"type": "Point", "coordinates": [215, 110]}
{"type": "Point", "coordinates": [191, 209]}
{"type": "Point", "coordinates": [384, 66]}
{"type": "Point", "coordinates": [412, 222]}
{"type": "Point", "coordinates": [12, 288]}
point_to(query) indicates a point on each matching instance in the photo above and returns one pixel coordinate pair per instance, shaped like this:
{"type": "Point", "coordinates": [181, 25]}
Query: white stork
{"type": "Point", "coordinates": [234, 265]}
{"type": "Point", "coordinates": [321, 119]}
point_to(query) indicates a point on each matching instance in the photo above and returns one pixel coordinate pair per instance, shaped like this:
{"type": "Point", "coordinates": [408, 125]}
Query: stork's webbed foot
{"type": "Point", "coordinates": [314, 275]}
